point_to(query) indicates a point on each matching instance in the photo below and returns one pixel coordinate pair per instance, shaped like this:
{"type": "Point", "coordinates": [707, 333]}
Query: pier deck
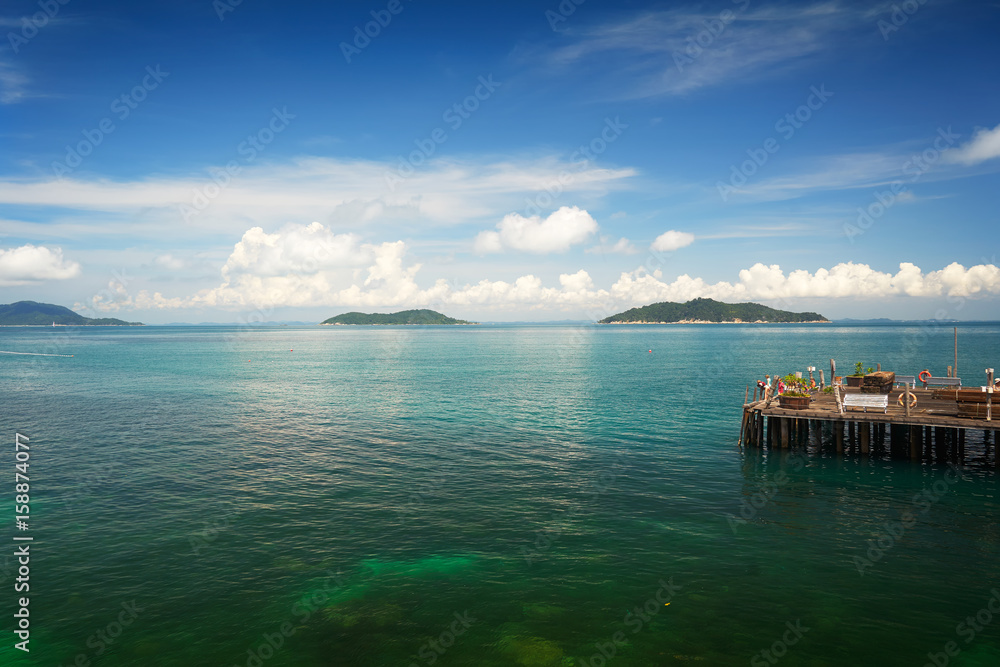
{"type": "Point", "coordinates": [933, 430]}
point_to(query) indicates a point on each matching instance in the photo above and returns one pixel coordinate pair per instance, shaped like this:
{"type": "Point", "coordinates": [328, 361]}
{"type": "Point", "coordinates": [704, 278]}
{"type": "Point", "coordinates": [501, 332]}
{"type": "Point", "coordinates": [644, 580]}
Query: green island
{"type": "Point", "coordinates": [32, 313]}
{"type": "Point", "coordinates": [698, 311]}
{"type": "Point", "coordinates": [403, 317]}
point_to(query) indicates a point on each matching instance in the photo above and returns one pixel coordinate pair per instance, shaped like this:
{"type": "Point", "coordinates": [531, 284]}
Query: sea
{"type": "Point", "coordinates": [523, 495]}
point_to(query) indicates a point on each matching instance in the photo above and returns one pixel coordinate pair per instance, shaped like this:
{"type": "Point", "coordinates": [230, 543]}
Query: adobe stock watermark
{"type": "Point", "coordinates": [635, 619]}
{"type": "Point", "coordinates": [303, 609]}
{"type": "Point", "coordinates": [778, 650]}
{"type": "Point", "coordinates": [699, 42]}
{"type": "Point", "coordinates": [581, 159]}
{"type": "Point", "coordinates": [786, 126]}
{"type": "Point", "coordinates": [454, 116]}
{"type": "Point", "coordinates": [899, 16]}
{"type": "Point", "coordinates": [421, 495]}
{"type": "Point", "coordinates": [363, 36]}
{"type": "Point", "coordinates": [201, 539]}
{"type": "Point", "coordinates": [431, 651]}
{"type": "Point", "coordinates": [248, 149]}
{"type": "Point", "coordinates": [105, 637]}
{"type": "Point", "coordinates": [915, 168]}
{"type": "Point", "coordinates": [122, 107]}
{"type": "Point", "coordinates": [30, 25]}
{"type": "Point", "coordinates": [768, 490]}
{"type": "Point", "coordinates": [562, 13]}
{"type": "Point", "coordinates": [223, 7]}
{"type": "Point", "coordinates": [545, 538]}
{"type": "Point", "coordinates": [892, 531]}
{"type": "Point", "coordinates": [968, 628]}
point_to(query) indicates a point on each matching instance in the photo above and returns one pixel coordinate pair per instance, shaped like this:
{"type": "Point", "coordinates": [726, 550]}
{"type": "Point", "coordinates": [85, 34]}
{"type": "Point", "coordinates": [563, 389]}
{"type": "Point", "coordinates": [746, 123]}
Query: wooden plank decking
{"type": "Point", "coordinates": [933, 431]}
{"type": "Point", "coordinates": [929, 411]}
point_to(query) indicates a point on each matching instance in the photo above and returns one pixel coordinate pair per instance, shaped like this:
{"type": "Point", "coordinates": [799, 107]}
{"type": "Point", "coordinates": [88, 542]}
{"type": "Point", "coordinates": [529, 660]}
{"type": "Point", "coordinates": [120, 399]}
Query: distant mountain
{"type": "Point", "coordinates": [27, 313]}
{"type": "Point", "coordinates": [708, 310]}
{"type": "Point", "coordinates": [403, 317]}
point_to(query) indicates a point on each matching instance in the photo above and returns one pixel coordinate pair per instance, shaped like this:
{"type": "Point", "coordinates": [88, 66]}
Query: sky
{"type": "Point", "coordinates": [246, 161]}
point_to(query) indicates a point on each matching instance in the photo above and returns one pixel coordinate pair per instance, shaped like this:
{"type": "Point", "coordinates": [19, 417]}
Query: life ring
{"type": "Point", "coordinates": [913, 400]}
{"type": "Point", "coordinates": [923, 373]}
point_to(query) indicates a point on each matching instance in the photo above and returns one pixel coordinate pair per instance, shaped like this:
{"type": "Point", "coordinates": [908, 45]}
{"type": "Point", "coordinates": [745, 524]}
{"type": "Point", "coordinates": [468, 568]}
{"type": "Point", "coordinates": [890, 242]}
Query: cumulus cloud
{"type": "Point", "coordinates": [31, 264]}
{"type": "Point", "coordinates": [672, 240]}
{"type": "Point", "coordinates": [307, 266]}
{"type": "Point", "coordinates": [563, 229]}
{"type": "Point", "coordinates": [845, 280]}
{"type": "Point", "coordinates": [984, 145]}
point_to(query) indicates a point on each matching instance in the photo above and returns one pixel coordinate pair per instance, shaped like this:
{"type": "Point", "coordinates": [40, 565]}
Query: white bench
{"type": "Point", "coordinates": [867, 401]}
{"type": "Point", "coordinates": [943, 382]}
{"type": "Point", "coordinates": [907, 379]}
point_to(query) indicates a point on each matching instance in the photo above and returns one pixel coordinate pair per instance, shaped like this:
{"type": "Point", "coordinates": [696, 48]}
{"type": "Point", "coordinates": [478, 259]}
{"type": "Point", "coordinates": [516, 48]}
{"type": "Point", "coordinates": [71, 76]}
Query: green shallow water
{"type": "Point", "coordinates": [378, 489]}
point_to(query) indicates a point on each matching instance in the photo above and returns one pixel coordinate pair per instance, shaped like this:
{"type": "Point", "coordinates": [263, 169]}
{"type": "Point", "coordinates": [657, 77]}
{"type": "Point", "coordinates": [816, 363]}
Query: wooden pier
{"type": "Point", "coordinates": [932, 431]}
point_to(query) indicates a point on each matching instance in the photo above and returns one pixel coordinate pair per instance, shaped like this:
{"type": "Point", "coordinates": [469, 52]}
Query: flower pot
{"type": "Point", "coordinates": [854, 380]}
{"type": "Point", "coordinates": [794, 402]}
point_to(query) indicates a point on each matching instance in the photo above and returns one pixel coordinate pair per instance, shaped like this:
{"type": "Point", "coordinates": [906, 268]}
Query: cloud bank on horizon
{"type": "Point", "coordinates": [314, 266]}
{"type": "Point", "coordinates": [606, 158]}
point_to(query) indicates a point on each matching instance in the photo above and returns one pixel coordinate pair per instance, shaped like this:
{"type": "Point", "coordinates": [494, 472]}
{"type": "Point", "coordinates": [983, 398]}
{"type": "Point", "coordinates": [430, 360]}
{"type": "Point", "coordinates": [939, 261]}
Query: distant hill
{"type": "Point", "coordinates": [27, 313]}
{"type": "Point", "coordinates": [403, 317]}
{"type": "Point", "coordinates": [708, 310]}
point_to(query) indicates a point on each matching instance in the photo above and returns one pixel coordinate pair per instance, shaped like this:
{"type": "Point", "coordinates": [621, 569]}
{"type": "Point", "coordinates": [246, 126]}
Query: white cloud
{"type": "Point", "coordinates": [170, 262]}
{"type": "Point", "coordinates": [12, 84]}
{"type": "Point", "coordinates": [984, 145]}
{"type": "Point", "coordinates": [845, 280]}
{"type": "Point", "coordinates": [30, 264]}
{"type": "Point", "coordinates": [620, 247]}
{"type": "Point", "coordinates": [676, 51]}
{"type": "Point", "coordinates": [560, 231]}
{"type": "Point", "coordinates": [349, 193]}
{"type": "Point", "coordinates": [672, 240]}
{"type": "Point", "coordinates": [308, 266]}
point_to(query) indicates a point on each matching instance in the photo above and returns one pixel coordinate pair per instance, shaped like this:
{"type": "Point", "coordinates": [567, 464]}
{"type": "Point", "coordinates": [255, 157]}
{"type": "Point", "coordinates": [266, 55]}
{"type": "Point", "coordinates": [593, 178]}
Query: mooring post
{"type": "Point", "coordinates": [989, 394]}
{"type": "Point", "coordinates": [906, 399]}
{"type": "Point", "coordinates": [956, 352]}
{"type": "Point", "coordinates": [916, 442]}
{"type": "Point", "coordinates": [822, 380]}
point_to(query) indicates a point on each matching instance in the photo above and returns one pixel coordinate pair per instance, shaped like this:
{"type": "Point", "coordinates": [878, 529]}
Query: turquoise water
{"type": "Point", "coordinates": [496, 495]}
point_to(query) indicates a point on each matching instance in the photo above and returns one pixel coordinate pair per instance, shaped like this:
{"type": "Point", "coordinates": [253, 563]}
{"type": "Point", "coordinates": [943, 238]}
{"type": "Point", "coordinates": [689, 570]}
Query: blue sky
{"type": "Point", "coordinates": [191, 161]}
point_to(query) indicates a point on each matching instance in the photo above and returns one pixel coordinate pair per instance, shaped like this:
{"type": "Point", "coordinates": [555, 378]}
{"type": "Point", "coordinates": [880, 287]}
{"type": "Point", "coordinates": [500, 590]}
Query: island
{"type": "Point", "coordinates": [402, 317]}
{"type": "Point", "coordinates": [705, 311]}
{"type": "Point", "coordinates": [34, 314]}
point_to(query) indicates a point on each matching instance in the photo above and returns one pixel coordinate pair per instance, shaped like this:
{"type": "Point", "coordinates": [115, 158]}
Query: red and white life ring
{"type": "Point", "coordinates": [913, 400]}
{"type": "Point", "coordinates": [923, 373]}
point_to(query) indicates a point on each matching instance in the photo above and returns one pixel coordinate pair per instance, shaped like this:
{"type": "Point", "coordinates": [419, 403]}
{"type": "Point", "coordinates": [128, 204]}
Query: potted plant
{"type": "Point", "coordinates": [795, 400]}
{"type": "Point", "coordinates": [854, 379]}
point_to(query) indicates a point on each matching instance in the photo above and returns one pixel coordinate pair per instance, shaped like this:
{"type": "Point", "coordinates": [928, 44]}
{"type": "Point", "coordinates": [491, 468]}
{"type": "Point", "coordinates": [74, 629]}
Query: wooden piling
{"type": "Point", "coordinates": [838, 436]}
{"type": "Point", "coordinates": [865, 436]}
{"type": "Point", "coordinates": [916, 442]}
